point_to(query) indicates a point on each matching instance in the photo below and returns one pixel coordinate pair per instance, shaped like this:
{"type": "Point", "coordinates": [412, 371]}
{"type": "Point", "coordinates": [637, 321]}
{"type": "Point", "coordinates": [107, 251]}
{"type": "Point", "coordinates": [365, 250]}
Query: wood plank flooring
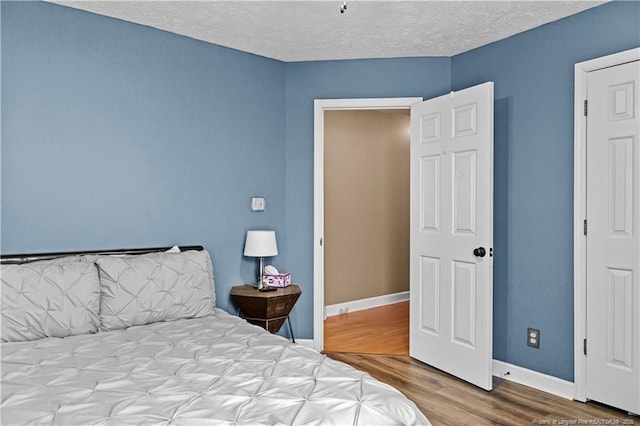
{"type": "Point", "coordinates": [446, 400]}
{"type": "Point", "coordinates": [358, 338]}
{"type": "Point", "coordinates": [383, 330]}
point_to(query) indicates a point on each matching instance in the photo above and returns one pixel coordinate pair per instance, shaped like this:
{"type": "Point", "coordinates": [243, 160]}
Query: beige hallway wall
{"type": "Point", "coordinates": [366, 178]}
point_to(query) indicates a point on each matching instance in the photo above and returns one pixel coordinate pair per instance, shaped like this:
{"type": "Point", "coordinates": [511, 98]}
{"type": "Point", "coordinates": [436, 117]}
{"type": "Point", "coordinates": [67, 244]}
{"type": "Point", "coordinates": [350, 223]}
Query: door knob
{"type": "Point", "coordinates": [479, 252]}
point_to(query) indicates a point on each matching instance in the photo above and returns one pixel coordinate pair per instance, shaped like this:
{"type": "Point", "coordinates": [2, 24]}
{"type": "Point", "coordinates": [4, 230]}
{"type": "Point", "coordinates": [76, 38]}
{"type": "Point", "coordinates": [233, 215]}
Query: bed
{"type": "Point", "coordinates": [127, 344]}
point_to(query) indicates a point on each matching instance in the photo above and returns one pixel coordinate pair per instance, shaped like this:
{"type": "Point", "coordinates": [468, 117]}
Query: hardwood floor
{"type": "Point", "coordinates": [383, 330]}
{"type": "Point", "coordinates": [446, 400]}
{"type": "Point", "coordinates": [358, 338]}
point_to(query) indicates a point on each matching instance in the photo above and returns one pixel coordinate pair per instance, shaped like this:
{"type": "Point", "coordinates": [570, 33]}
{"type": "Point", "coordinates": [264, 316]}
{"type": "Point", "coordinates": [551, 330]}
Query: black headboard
{"type": "Point", "coordinates": [30, 257]}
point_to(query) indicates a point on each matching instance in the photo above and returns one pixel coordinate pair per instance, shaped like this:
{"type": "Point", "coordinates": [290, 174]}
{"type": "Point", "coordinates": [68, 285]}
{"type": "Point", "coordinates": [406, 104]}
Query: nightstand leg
{"type": "Point", "coordinates": [293, 339]}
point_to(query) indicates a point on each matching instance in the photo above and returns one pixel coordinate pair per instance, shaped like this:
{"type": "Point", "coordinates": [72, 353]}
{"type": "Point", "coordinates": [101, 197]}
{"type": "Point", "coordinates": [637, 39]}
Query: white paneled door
{"type": "Point", "coordinates": [451, 278]}
{"type": "Point", "coordinates": [613, 238]}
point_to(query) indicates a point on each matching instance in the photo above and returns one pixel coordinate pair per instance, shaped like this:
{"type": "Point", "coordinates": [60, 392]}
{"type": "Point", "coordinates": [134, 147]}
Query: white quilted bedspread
{"type": "Point", "coordinates": [212, 370]}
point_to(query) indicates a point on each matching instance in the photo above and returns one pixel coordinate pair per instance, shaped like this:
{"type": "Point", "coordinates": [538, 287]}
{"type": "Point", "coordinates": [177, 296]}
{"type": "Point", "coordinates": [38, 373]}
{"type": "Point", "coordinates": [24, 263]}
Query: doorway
{"type": "Point", "coordinates": [366, 221]}
{"type": "Point", "coordinates": [320, 107]}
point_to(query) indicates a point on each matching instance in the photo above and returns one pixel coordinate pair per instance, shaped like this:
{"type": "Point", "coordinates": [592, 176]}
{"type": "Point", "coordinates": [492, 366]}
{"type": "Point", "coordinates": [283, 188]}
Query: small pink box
{"type": "Point", "coordinates": [277, 280]}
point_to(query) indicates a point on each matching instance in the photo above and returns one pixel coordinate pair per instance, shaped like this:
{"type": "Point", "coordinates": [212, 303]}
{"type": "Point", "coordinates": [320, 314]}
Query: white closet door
{"type": "Point", "coordinates": [613, 239]}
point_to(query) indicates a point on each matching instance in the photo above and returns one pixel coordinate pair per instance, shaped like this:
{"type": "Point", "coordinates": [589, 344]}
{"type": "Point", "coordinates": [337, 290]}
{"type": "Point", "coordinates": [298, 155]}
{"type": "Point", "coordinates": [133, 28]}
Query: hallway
{"type": "Point", "coordinates": [383, 330]}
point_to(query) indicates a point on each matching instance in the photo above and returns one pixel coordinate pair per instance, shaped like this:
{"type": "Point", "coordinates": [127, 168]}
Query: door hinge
{"type": "Point", "coordinates": [584, 227]}
{"type": "Point", "coordinates": [320, 241]}
{"type": "Point", "coordinates": [585, 107]}
{"type": "Point", "coordinates": [584, 346]}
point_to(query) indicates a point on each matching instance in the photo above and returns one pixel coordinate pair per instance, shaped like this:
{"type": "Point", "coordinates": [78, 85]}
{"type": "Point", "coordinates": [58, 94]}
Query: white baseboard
{"type": "Point", "coordinates": [371, 302]}
{"type": "Point", "coordinates": [305, 342]}
{"type": "Point", "coordinates": [533, 379]}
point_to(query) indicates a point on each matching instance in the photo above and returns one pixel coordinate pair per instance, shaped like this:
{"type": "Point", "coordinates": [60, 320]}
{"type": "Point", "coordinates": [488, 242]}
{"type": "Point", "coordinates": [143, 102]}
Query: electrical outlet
{"type": "Point", "coordinates": [533, 338]}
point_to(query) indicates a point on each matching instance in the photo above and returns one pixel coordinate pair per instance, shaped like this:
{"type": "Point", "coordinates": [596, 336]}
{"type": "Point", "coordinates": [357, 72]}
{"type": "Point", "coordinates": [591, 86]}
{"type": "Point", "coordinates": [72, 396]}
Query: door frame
{"type": "Point", "coordinates": [580, 208]}
{"type": "Point", "coordinates": [319, 106]}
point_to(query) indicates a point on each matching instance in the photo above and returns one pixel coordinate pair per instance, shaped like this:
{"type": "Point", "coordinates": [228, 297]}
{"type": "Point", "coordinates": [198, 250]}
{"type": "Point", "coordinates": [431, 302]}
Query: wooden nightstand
{"type": "Point", "coordinates": [268, 309]}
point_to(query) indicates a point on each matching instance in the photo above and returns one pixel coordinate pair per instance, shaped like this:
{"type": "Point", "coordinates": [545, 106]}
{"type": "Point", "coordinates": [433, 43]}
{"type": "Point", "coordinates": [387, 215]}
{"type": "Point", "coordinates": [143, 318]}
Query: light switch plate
{"type": "Point", "coordinates": [257, 204]}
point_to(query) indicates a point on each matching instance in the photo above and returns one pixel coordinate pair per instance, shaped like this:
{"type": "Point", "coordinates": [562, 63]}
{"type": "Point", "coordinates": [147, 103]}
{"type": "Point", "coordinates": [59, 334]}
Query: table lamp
{"type": "Point", "coordinates": [260, 244]}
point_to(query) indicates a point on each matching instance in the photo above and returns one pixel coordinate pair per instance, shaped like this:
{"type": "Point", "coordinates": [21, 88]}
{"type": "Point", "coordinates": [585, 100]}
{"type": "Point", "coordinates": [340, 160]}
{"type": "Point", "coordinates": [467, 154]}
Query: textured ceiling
{"type": "Point", "coordinates": [306, 30]}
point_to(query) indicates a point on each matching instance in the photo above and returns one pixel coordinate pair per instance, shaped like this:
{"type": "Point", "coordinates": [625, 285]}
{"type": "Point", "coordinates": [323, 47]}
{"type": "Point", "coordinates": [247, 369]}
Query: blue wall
{"type": "Point", "coordinates": [118, 135]}
{"type": "Point", "coordinates": [533, 268]}
{"type": "Point", "coordinates": [306, 81]}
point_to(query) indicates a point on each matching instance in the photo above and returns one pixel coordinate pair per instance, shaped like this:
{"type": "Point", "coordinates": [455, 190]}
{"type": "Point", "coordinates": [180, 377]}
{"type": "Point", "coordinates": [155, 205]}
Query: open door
{"type": "Point", "coordinates": [451, 254]}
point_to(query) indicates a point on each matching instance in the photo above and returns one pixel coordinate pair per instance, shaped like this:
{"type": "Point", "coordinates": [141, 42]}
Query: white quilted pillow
{"type": "Point", "coordinates": [153, 287]}
{"type": "Point", "coordinates": [49, 299]}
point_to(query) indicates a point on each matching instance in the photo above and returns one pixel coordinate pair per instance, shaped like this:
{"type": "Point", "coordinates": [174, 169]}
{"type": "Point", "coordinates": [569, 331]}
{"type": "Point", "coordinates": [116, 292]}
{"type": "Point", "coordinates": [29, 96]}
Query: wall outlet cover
{"type": "Point", "coordinates": [533, 338]}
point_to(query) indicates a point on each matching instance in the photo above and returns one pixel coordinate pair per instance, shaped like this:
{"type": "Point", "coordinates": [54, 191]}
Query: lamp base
{"type": "Point", "coordinates": [268, 288]}
{"type": "Point", "coordinates": [260, 273]}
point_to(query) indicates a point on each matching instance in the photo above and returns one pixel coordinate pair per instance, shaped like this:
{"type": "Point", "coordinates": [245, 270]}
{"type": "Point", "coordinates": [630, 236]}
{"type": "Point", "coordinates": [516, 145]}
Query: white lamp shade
{"type": "Point", "coordinates": [260, 244]}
